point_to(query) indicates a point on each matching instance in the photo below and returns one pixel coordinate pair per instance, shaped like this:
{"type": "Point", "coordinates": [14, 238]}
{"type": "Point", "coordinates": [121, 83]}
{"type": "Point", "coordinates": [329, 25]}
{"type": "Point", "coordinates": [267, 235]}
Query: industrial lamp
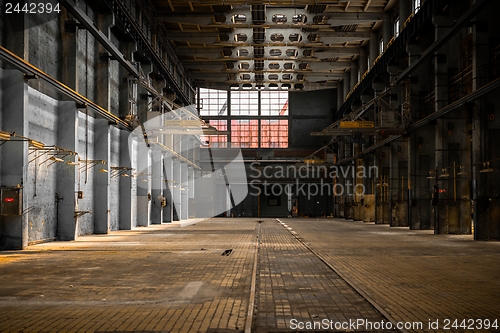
{"type": "Point", "coordinates": [4, 136]}
{"type": "Point", "coordinates": [487, 168]}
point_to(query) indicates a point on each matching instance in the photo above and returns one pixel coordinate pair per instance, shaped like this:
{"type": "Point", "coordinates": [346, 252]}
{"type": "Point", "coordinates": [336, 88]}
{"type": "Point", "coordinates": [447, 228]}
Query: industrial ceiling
{"type": "Point", "coordinates": [275, 45]}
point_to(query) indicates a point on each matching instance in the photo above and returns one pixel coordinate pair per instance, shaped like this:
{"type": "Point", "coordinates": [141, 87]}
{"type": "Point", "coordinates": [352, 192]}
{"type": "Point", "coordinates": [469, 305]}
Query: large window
{"type": "Point", "coordinates": [253, 119]}
{"type": "Point", "coordinates": [274, 133]}
{"type": "Point", "coordinates": [245, 133]}
{"type": "Point", "coordinates": [274, 103]}
{"type": "Point", "coordinates": [244, 103]}
{"type": "Point", "coordinates": [416, 5]}
{"type": "Point", "coordinates": [217, 141]}
{"type": "Point", "coordinates": [213, 102]}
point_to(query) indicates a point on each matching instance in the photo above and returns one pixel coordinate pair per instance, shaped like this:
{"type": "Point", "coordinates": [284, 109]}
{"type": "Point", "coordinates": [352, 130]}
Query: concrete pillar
{"type": "Point", "coordinates": [67, 178]}
{"type": "Point", "coordinates": [340, 96]}
{"type": "Point", "coordinates": [176, 191]}
{"type": "Point", "coordinates": [404, 12]}
{"type": "Point", "coordinates": [157, 189]}
{"type": "Point", "coordinates": [414, 52]}
{"type": "Point", "coordinates": [144, 190]}
{"type": "Point", "coordinates": [191, 192]}
{"type": "Point", "coordinates": [442, 26]}
{"type": "Point", "coordinates": [357, 210]}
{"type": "Point", "coordinates": [363, 61]}
{"type": "Point", "coordinates": [484, 134]}
{"type": "Point", "coordinates": [184, 191]}
{"type": "Point", "coordinates": [70, 55]}
{"type": "Point", "coordinates": [16, 35]}
{"type": "Point", "coordinates": [353, 74]}
{"type": "Point", "coordinates": [398, 184]}
{"type": "Point", "coordinates": [168, 210]}
{"type": "Point", "coordinates": [382, 214]}
{"type": "Point", "coordinates": [348, 180]}
{"type": "Point", "coordinates": [143, 96]}
{"type": "Point", "coordinates": [14, 158]}
{"type": "Point", "coordinates": [103, 93]}
{"type": "Point", "coordinates": [374, 48]}
{"type": "Point", "coordinates": [387, 29]}
{"type": "Point", "coordinates": [128, 86]}
{"type": "Point", "coordinates": [102, 151]}
{"type": "Point", "coordinates": [128, 201]}
{"type": "Point", "coordinates": [347, 84]}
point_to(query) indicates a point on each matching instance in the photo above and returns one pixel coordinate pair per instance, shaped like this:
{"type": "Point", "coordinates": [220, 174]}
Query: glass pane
{"type": "Point", "coordinates": [213, 102]}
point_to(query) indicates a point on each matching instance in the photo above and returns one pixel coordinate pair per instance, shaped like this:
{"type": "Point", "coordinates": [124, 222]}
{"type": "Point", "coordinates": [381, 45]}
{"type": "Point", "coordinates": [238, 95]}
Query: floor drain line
{"type": "Point", "coordinates": [343, 277]}
{"type": "Point", "coordinates": [253, 287]}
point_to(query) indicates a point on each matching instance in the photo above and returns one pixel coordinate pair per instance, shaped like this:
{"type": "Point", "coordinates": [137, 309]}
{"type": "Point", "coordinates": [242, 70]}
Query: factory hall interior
{"type": "Point", "coordinates": [204, 166]}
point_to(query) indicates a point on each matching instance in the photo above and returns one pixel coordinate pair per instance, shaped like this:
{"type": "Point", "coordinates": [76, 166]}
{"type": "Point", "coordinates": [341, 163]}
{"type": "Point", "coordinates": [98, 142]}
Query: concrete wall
{"type": "Point", "coordinates": [85, 150]}
{"type": "Point", "coordinates": [114, 189]}
{"type": "Point", "coordinates": [310, 112]}
{"type": "Point", "coordinates": [40, 187]}
{"type": "Point", "coordinates": [279, 210]}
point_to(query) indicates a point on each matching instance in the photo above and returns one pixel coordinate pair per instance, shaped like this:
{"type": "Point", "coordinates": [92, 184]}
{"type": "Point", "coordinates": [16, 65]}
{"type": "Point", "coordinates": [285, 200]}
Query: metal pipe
{"type": "Point", "coordinates": [30, 69]}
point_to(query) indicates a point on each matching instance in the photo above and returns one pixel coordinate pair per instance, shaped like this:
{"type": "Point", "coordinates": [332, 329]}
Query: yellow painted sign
{"type": "Point", "coordinates": [182, 123]}
{"type": "Point", "coordinates": [357, 124]}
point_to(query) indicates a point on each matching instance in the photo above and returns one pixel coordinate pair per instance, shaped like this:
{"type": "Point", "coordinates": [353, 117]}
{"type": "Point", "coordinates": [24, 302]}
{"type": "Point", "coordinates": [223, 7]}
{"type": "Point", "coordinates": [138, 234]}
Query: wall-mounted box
{"type": "Point", "coordinates": [11, 201]}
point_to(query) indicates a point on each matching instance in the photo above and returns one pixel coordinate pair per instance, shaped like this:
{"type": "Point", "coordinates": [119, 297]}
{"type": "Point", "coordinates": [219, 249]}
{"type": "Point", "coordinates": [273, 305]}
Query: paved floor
{"type": "Point", "coordinates": [172, 279]}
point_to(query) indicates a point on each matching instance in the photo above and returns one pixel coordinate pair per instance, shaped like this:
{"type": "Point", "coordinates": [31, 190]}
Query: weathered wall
{"type": "Point", "coordinates": [114, 187]}
{"type": "Point", "coordinates": [85, 151]}
{"type": "Point", "coordinates": [310, 112]}
{"type": "Point", "coordinates": [40, 187]}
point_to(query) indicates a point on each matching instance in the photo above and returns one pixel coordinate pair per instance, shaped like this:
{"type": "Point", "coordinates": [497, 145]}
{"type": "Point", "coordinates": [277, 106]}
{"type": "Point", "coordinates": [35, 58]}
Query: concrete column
{"type": "Point", "coordinates": [484, 135]}
{"type": "Point", "coordinates": [102, 151]}
{"type": "Point", "coordinates": [414, 52]}
{"type": "Point", "coordinates": [382, 215]}
{"type": "Point", "coordinates": [157, 189]}
{"type": "Point", "coordinates": [357, 210]}
{"type": "Point", "coordinates": [404, 12]}
{"type": "Point", "coordinates": [67, 178]}
{"type": "Point", "coordinates": [176, 192]}
{"type": "Point", "coordinates": [398, 184]}
{"type": "Point", "coordinates": [184, 191]}
{"type": "Point", "coordinates": [338, 209]}
{"type": "Point", "coordinates": [14, 157]}
{"type": "Point", "coordinates": [347, 84]}
{"type": "Point", "coordinates": [191, 192]}
{"type": "Point", "coordinates": [168, 210]}
{"type": "Point", "coordinates": [128, 86]}
{"type": "Point", "coordinates": [363, 61]}
{"type": "Point", "coordinates": [354, 74]}
{"type": "Point", "coordinates": [128, 201]}
{"type": "Point", "coordinates": [348, 180]}
{"type": "Point", "coordinates": [16, 35]}
{"type": "Point", "coordinates": [69, 55]}
{"type": "Point", "coordinates": [480, 52]}
{"type": "Point", "coordinates": [144, 191]}
{"type": "Point", "coordinates": [387, 29]}
{"type": "Point", "coordinates": [103, 93]}
{"type": "Point", "coordinates": [340, 96]}
{"type": "Point", "coordinates": [374, 49]}
{"type": "Point", "coordinates": [442, 26]}
{"type": "Point", "coordinates": [143, 96]}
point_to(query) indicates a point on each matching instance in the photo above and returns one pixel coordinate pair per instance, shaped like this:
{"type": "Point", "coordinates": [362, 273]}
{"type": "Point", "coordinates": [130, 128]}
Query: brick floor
{"type": "Point", "coordinates": [172, 279]}
{"type": "Point", "coordinates": [295, 284]}
{"type": "Point", "coordinates": [151, 279]}
{"type": "Point", "coordinates": [413, 275]}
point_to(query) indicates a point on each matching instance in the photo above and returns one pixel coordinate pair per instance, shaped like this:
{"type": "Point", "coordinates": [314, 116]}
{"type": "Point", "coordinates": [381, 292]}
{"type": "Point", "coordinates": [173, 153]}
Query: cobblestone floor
{"type": "Point", "coordinates": [151, 279]}
{"type": "Point", "coordinates": [172, 279]}
{"type": "Point", "coordinates": [294, 284]}
{"type": "Point", "coordinates": [415, 276]}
